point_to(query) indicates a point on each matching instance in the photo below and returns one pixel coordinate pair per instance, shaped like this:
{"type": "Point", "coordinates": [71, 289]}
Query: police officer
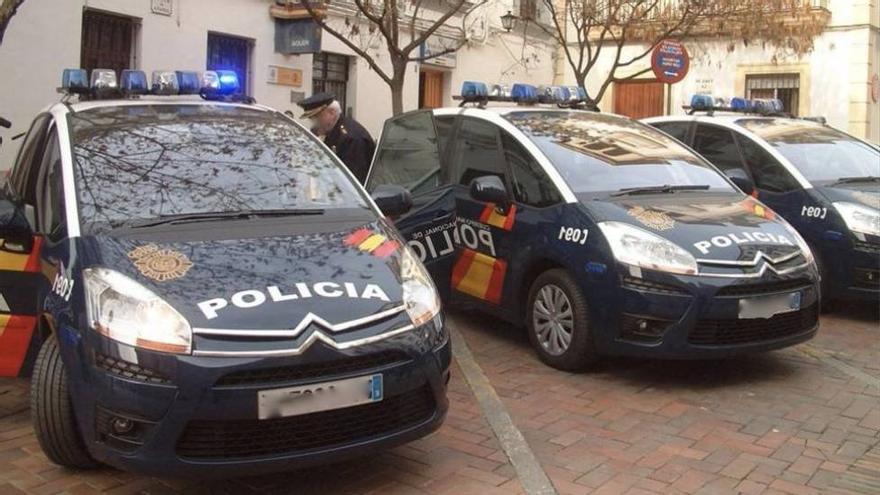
{"type": "Point", "coordinates": [346, 137]}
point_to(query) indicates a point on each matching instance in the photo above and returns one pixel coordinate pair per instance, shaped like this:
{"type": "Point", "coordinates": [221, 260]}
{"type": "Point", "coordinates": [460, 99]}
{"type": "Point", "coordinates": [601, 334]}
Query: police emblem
{"type": "Point", "coordinates": [160, 264]}
{"type": "Point", "coordinates": [657, 220]}
{"type": "Point", "coordinates": [869, 199]}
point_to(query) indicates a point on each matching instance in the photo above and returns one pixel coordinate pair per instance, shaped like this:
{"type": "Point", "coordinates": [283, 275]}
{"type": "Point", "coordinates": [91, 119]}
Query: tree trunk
{"type": "Point", "coordinates": [7, 10]}
{"type": "Point", "coordinates": [397, 92]}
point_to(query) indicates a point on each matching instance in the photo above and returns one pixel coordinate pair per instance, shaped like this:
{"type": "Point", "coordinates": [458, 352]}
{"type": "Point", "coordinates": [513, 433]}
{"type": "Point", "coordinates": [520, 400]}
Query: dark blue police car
{"type": "Point", "coordinates": [602, 234]}
{"type": "Point", "coordinates": [206, 289]}
{"type": "Point", "coordinates": [824, 182]}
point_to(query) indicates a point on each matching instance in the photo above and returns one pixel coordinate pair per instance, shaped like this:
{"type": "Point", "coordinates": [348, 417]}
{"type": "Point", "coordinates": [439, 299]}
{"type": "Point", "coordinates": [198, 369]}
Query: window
{"type": "Point", "coordinates": [27, 165]}
{"type": "Point", "coordinates": [107, 41]}
{"type": "Point", "coordinates": [530, 184]}
{"type": "Point", "coordinates": [444, 131]}
{"type": "Point", "coordinates": [476, 152]}
{"type": "Point", "coordinates": [528, 10]}
{"type": "Point", "coordinates": [768, 173]}
{"type": "Point", "coordinates": [408, 154]}
{"type": "Point", "coordinates": [678, 130]}
{"type": "Point", "coordinates": [230, 53]}
{"type": "Point", "coordinates": [717, 146]}
{"type": "Point", "coordinates": [330, 75]}
{"type": "Point", "coordinates": [51, 193]}
{"type": "Point", "coordinates": [785, 87]}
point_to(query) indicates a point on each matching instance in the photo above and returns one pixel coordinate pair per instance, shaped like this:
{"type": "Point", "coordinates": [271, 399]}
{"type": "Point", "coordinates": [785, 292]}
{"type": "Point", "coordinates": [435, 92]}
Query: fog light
{"type": "Point", "coordinates": [121, 426]}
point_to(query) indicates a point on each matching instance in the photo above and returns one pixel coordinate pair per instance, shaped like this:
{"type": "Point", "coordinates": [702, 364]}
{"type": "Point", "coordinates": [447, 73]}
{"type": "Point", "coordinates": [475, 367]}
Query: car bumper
{"type": "Point", "coordinates": [855, 274]}
{"type": "Point", "coordinates": [700, 318]}
{"type": "Point", "coordinates": [199, 416]}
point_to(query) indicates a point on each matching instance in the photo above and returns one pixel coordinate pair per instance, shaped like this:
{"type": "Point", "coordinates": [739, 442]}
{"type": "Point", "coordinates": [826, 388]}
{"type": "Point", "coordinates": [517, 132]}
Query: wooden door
{"type": "Point", "coordinates": [106, 41]}
{"type": "Point", "coordinates": [639, 98]}
{"type": "Point", "coordinates": [430, 89]}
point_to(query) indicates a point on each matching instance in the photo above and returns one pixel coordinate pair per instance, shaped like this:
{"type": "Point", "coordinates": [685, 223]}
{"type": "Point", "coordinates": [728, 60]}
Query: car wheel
{"type": "Point", "coordinates": [52, 411]}
{"type": "Point", "coordinates": [558, 322]}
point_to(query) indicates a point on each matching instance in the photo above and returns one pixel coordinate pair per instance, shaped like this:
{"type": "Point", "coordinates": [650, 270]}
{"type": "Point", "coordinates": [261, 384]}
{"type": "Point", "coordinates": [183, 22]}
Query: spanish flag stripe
{"type": "Point", "coordinates": [33, 263]}
{"type": "Point", "coordinates": [511, 216]}
{"type": "Point", "coordinates": [372, 242]}
{"type": "Point", "coordinates": [13, 262]}
{"type": "Point", "coordinates": [479, 274]}
{"type": "Point", "coordinates": [487, 213]}
{"type": "Point", "coordinates": [461, 266]}
{"type": "Point", "coordinates": [357, 237]}
{"type": "Point", "coordinates": [15, 338]}
{"type": "Point", "coordinates": [496, 283]}
{"type": "Point", "coordinates": [386, 249]}
{"type": "Point", "coordinates": [491, 216]}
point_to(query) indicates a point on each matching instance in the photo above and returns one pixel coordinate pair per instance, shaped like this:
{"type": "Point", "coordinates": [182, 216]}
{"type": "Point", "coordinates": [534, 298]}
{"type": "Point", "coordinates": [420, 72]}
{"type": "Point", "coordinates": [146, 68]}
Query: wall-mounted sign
{"type": "Point", "coordinates": [293, 36]}
{"type": "Point", "coordinates": [704, 85]}
{"type": "Point", "coordinates": [162, 7]}
{"type": "Point", "coordinates": [434, 46]}
{"type": "Point", "coordinates": [670, 61]}
{"type": "Point", "coordinates": [285, 76]}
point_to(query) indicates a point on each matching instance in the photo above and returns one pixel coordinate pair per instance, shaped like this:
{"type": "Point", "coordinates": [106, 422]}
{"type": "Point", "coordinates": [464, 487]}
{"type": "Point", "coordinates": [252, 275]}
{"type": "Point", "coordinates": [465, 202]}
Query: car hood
{"type": "Point", "coordinates": [709, 226]}
{"type": "Point", "coordinates": [864, 194]}
{"type": "Point", "coordinates": [265, 282]}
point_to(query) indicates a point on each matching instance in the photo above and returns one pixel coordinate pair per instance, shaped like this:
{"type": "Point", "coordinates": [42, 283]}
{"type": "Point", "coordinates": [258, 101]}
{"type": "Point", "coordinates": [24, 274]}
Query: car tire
{"type": "Point", "coordinates": [52, 411]}
{"type": "Point", "coordinates": [554, 296]}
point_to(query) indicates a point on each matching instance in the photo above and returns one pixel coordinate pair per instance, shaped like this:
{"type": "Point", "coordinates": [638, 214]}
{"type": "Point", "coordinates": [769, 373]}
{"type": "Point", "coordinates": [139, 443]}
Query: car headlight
{"type": "Point", "coordinates": [859, 218]}
{"type": "Point", "coordinates": [801, 243]}
{"type": "Point", "coordinates": [126, 311]}
{"type": "Point", "coordinates": [419, 294]}
{"type": "Point", "coordinates": [634, 246]}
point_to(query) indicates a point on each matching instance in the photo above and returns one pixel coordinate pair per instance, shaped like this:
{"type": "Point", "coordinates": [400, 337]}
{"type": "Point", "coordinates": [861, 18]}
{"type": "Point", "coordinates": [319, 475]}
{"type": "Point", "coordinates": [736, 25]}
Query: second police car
{"type": "Point", "coordinates": [206, 290]}
{"type": "Point", "coordinates": [602, 234]}
{"type": "Point", "coordinates": [825, 182]}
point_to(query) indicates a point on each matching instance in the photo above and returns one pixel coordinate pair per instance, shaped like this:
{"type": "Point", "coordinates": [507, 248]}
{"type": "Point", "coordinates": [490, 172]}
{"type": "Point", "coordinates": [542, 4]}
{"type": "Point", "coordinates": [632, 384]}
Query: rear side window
{"type": "Point", "coordinates": [768, 173]}
{"type": "Point", "coordinates": [678, 130]}
{"type": "Point", "coordinates": [531, 185]}
{"type": "Point", "coordinates": [408, 154]}
{"type": "Point", "coordinates": [444, 126]}
{"type": "Point", "coordinates": [476, 152]}
{"type": "Point", "coordinates": [27, 165]}
{"type": "Point", "coordinates": [717, 146]}
{"type": "Point", "coordinates": [51, 204]}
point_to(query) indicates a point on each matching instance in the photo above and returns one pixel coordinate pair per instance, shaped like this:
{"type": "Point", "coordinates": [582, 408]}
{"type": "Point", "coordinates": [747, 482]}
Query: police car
{"type": "Point", "coordinates": [824, 182]}
{"type": "Point", "coordinates": [602, 234]}
{"type": "Point", "coordinates": [205, 289]}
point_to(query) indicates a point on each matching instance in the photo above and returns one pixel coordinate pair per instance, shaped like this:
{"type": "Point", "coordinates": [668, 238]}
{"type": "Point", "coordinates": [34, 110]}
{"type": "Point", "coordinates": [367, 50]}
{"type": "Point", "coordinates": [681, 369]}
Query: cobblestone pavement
{"type": "Point", "coordinates": [801, 420]}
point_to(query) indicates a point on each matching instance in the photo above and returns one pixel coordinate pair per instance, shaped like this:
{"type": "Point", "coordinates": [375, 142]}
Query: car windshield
{"type": "Point", "coordinates": [820, 153]}
{"type": "Point", "coordinates": [598, 153]}
{"type": "Point", "coordinates": [141, 162]}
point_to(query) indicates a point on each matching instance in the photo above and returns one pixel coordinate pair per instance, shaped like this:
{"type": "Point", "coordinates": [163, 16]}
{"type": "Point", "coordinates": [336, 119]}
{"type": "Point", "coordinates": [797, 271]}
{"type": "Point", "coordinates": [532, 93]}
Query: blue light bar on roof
{"type": "Point", "coordinates": [133, 82]}
{"type": "Point", "coordinates": [702, 102]}
{"type": "Point", "coordinates": [165, 83]}
{"type": "Point", "coordinates": [103, 80]}
{"type": "Point", "coordinates": [75, 80]}
{"type": "Point", "coordinates": [219, 84]}
{"type": "Point", "coordinates": [188, 82]}
{"type": "Point", "coordinates": [524, 93]}
{"type": "Point", "coordinates": [474, 90]}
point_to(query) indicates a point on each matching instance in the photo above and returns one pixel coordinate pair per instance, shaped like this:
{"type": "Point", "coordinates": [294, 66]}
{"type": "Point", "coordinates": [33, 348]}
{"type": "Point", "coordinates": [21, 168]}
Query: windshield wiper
{"type": "Point", "coordinates": [854, 180]}
{"type": "Point", "coordinates": [225, 215]}
{"type": "Point", "coordinates": [664, 189]}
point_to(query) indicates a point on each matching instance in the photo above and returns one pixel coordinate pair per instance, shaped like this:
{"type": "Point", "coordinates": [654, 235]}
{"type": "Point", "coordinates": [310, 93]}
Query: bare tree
{"type": "Point", "coordinates": [402, 26]}
{"type": "Point", "coordinates": [631, 29]}
{"type": "Point", "coordinates": [7, 10]}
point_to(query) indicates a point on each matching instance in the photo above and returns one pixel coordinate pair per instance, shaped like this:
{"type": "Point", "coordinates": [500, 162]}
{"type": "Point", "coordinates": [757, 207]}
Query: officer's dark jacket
{"type": "Point", "coordinates": [353, 145]}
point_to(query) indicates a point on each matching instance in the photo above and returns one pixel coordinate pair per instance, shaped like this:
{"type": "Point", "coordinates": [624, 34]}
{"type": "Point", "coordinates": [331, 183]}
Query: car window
{"type": "Point", "coordinates": [51, 191]}
{"type": "Point", "coordinates": [531, 185]}
{"type": "Point", "coordinates": [140, 162]}
{"type": "Point", "coordinates": [408, 154]}
{"type": "Point", "coordinates": [476, 152]}
{"type": "Point", "coordinates": [767, 172]}
{"type": "Point", "coordinates": [717, 146]}
{"type": "Point", "coordinates": [443, 125]}
{"type": "Point", "coordinates": [821, 153]}
{"type": "Point", "coordinates": [678, 130]}
{"type": "Point", "coordinates": [27, 165]}
{"type": "Point", "coordinates": [600, 154]}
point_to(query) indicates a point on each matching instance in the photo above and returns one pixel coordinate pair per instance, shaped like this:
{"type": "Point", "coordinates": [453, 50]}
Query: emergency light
{"type": "Point", "coordinates": [212, 85]}
{"type": "Point", "coordinates": [219, 84]}
{"type": "Point", "coordinates": [188, 82]}
{"type": "Point", "coordinates": [472, 90]}
{"type": "Point", "coordinates": [104, 80]}
{"type": "Point", "coordinates": [522, 94]}
{"type": "Point", "coordinates": [165, 83]}
{"type": "Point", "coordinates": [133, 82]}
{"type": "Point", "coordinates": [75, 81]}
{"type": "Point", "coordinates": [708, 103]}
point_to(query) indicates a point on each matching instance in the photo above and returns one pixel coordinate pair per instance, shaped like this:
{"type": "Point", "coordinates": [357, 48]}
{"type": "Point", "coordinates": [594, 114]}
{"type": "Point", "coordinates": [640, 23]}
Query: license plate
{"type": "Point", "coordinates": [304, 399]}
{"type": "Point", "coordinates": [769, 306]}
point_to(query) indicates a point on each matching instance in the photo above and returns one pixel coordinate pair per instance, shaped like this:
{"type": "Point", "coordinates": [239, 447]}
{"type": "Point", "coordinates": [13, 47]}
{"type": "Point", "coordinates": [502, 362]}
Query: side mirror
{"type": "Point", "coordinates": [742, 180]}
{"type": "Point", "coordinates": [392, 200]}
{"type": "Point", "coordinates": [490, 189]}
{"type": "Point", "coordinates": [16, 234]}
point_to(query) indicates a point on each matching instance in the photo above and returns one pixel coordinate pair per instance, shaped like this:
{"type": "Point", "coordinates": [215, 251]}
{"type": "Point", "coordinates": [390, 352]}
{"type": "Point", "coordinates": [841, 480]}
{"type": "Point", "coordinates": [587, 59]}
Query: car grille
{"type": "Point", "coordinates": [746, 331]}
{"type": "Point", "coordinates": [203, 439]}
{"type": "Point", "coordinates": [747, 290]}
{"type": "Point", "coordinates": [643, 285]}
{"type": "Point", "coordinates": [129, 371]}
{"type": "Point", "coordinates": [870, 247]}
{"type": "Point", "coordinates": [322, 370]}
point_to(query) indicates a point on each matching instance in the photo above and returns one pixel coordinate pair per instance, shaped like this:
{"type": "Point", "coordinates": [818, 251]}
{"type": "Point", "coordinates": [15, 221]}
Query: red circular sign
{"type": "Point", "coordinates": [670, 61]}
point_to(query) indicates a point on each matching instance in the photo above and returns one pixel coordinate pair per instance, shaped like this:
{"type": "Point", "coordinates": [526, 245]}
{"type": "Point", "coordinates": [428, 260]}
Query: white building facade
{"type": "Point", "coordinates": [46, 36]}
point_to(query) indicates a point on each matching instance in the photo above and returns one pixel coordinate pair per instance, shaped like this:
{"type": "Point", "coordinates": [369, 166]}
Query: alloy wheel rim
{"type": "Point", "coordinates": [553, 319]}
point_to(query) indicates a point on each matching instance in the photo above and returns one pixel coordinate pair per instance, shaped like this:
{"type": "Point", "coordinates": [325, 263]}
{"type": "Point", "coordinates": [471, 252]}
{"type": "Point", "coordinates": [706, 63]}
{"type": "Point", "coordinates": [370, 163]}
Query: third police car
{"type": "Point", "coordinates": [602, 234]}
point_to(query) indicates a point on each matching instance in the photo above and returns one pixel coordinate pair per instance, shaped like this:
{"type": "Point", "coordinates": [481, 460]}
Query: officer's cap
{"type": "Point", "coordinates": [315, 104]}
